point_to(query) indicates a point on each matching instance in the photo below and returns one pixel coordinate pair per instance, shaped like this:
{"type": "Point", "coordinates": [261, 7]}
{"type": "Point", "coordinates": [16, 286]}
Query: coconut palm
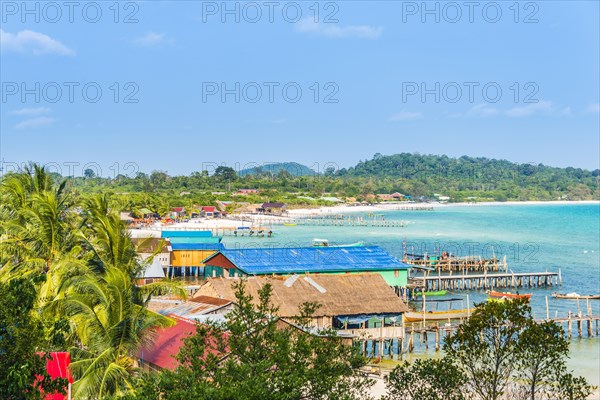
{"type": "Point", "coordinates": [37, 223]}
{"type": "Point", "coordinates": [111, 327]}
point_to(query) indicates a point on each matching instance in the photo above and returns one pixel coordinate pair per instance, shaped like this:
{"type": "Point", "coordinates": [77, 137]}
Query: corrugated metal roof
{"type": "Point", "coordinates": [182, 240]}
{"type": "Point", "coordinates": [171, 234]}
{"type": "Point", "coordinates": [190, 309]}
{"type": "Point", "coordinates": [311, 259]}
{"type": "Point", "coordinates": [197, 246]}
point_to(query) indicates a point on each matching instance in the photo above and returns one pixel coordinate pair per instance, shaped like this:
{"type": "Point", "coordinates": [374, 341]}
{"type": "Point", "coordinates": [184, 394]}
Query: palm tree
{"type": "Point", "coordinates": [37, 223]}
{"type": "Point", "coordinates": [110, 325]}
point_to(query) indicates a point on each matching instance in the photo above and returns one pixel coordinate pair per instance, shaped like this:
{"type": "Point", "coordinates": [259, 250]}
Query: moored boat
{"type": "Point", "coordinates": [436, 293]}
{"type": "Point", "coordinates": [289, 224]}
{"type": "Point", "coordinates": [437, 315]}
{"type": "Point", "coordinates": [509, 295]}
{"type": "Point", "coordinates": [325, 243]}
{"type": "Point", "coordinates": [576, 296]}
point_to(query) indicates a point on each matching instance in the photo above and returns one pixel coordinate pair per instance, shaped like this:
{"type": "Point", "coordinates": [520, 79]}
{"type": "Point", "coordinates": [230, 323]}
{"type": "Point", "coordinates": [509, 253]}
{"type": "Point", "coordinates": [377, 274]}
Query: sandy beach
{"type": "Point", "coordinates": [266, 220]}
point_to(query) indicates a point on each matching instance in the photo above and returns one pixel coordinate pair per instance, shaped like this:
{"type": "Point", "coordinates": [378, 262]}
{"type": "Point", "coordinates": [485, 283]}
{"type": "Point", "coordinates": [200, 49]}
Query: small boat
{"type": "Point", "coordinates": [576, 296]}
{"type": "Point", "coordinates": [436, 293]}
{"type": "Point", "coordinates": [437, 315]}
{"type": "Point", "coordinates": [289, 224]}
{"type": "Point", "coordinates": [509, 295]}
{"type": "Point", "coordinates": [325, 243]}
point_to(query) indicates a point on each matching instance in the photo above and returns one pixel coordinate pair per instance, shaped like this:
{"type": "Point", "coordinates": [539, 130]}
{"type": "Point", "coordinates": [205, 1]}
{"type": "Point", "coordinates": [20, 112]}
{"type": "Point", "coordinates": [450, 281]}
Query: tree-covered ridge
{"type": "Point", "coordinates": [293, 168]}
{"type": "Point", "coordinates": [416, 175]}
{"type": "Point", "coordinates": [500, 178]}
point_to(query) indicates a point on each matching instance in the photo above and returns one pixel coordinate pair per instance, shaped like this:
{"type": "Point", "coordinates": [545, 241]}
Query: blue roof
{"type": "Point", "coordinates": [197, 246]}
{"type": "Point", "coordinates": [169, 234]}
{"type": "Point", "coordinates": [311, 259]}
{"type": "Point", "coordinates": [204, 240]}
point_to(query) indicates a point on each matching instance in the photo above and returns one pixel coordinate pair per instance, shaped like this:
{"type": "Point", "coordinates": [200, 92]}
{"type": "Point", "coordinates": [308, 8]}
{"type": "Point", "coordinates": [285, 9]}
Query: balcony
{"type": "Point", "coordinates": [387, 332]}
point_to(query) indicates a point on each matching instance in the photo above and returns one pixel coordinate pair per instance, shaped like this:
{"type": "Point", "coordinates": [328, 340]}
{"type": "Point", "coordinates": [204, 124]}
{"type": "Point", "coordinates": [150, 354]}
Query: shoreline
{"type": "Point", "coordinates": [399, 206]}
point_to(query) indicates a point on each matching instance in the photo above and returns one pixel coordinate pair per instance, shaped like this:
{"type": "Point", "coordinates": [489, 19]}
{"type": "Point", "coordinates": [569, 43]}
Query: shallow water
{"type": "Point", "coordinates": [533, 238]}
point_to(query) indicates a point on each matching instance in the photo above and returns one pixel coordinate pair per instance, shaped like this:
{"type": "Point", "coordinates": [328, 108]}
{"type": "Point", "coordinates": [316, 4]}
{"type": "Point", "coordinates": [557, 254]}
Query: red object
{"type": "Point", "coordinates": [506, 295]}
{"type": "Point", "coordinates": [58, 367]}
{"type": "Point", "coordinates": [208, 208]}
{"type": "Point", "coordinates": [164, 349]}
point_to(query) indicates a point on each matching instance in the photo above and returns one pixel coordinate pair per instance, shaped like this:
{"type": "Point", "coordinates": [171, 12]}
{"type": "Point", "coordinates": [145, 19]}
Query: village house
{"type": "Point", "coordinates": [302, 260]}
{"type": "Point", "coordinates": [177, 212]}
{"type": "Point", "coordinates": [189, 249]}
{"type": "Point", "coordinates": [272, 208]}
{"type": "Point", "coordinates": [148, 247]}
{"type": "Point", "coordinates": [359, 305]}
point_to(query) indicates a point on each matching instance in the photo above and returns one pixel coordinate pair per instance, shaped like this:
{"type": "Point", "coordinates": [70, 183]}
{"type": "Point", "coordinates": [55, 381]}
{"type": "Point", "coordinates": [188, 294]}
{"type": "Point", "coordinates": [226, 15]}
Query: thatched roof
{"type": "Point", "coordinates": [347, 294]}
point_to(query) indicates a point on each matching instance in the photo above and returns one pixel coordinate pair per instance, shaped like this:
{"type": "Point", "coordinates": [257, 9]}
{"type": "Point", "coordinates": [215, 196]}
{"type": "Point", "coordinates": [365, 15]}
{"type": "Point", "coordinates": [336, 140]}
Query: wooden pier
{"type": "Point", "coordinates": [460, 264]}
{"type": "Point", "coordinates": [393, 342]}
{"type": "Point", "coordinates": [488, 281]}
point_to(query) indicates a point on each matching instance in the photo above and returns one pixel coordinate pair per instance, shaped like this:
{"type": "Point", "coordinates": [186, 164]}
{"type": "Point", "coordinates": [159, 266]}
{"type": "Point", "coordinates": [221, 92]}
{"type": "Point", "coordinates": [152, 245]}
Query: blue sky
{"type": "Point", "coordinates": [496, 80]}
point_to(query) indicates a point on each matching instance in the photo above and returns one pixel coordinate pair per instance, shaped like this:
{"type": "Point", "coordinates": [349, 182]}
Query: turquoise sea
{"type": "Point", "coordinates": [533, 237]}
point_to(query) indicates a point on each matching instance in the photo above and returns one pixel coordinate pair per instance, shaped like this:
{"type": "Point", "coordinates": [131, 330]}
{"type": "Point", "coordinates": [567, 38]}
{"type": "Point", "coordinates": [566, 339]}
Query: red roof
{"type": "Point", "coordinates": [165, 348]}
{"type": "Point", "coordinates": [177, 209]}
{"type": "Point", "coordinates": [208, 208]}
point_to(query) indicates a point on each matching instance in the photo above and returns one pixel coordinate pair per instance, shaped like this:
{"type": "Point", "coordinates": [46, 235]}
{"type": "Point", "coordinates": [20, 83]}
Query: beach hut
{"type": "Point", "coordinates": [272, 208]}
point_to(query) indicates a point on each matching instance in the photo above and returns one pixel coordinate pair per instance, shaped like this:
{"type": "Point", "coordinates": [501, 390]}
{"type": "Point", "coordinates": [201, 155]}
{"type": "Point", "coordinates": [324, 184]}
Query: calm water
{"type": "Point", "coordinates": [532, 237]}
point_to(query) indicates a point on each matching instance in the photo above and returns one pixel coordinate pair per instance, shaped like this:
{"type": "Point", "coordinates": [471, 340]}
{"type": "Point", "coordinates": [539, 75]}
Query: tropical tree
{"type": "Point", "coordinates": [110, 326]}
{"type": "Point", "coordinates": [23, 344]}
{"type": "Point", "coordinates": [426, 379]}
{"type": "Point", "coordinates": [255, 355]}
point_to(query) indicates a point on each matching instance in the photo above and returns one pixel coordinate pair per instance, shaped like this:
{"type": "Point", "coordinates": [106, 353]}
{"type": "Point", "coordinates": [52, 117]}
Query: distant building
{"type": "Point", "coordinates": [177, 212]}
{"type": "Point", "coordinates": [209, 212]}
{"type": "Point", "coordinates": [146, 247]}
{"type": "Point", "coordinates": [272, 208]}
{"type": "Point", "coordinates": [151, 273]}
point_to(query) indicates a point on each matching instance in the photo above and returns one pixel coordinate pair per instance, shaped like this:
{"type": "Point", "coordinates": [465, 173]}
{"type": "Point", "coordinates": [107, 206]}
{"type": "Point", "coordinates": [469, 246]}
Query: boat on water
{"type": "Point", "coordinates": [509, 295]}
{"type": "Point", "coordinates": [325, 243]}
{"type": "Point", "coordinates": [437, 315]}
{"type": "Point", "coordinates": [289, 224]}
{"type": "Point", "coordinates": [576, 296]}
{"type": "Point", "coordinates": [436, 293]}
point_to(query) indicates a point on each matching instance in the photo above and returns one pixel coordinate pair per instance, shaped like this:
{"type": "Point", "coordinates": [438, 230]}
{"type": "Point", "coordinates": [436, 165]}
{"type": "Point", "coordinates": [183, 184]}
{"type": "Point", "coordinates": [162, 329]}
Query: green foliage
{"type": "Point", "coordinates": [463, 179]}
{"type": "Point", "coordinates": [83, 268]}
{"type": "Point", "coordinates": [427, 379]}
{"type": "Point", "coordinates": [502, 350]}
{"type": "Point", "coordinates": [254, 355]}
{"type": "Point", "coordinates": [22, 344]}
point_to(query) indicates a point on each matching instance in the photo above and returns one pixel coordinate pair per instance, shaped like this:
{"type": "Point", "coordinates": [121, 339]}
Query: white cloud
{"type": "Point", "coordinates": [308, 25]}
{"type": "Point", "coordinates": [566, 111]}
{"type": "Point", "coordinates": [530, 109]}
{"type": "Point", "coordinates": [482, 110]}
{"type": "Point", "coordinates": [31, 111]}
{"type": "Point", "coordinates": [593, 108]}
{"type": "Point", "coordinates": [406, 116]}
{"type": "Point", "coordinates": [32, 42]}
{"type": "Point", "coordinates": [150, 39]}
{"type": "Point", "coordinates": [33, 123]}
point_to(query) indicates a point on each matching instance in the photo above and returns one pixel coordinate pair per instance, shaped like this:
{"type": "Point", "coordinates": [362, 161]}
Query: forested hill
{"type": "Point", "coordinates": [478, 174]}
{"type": "Point", "coordinates": [415, 175]}
{"type": "Point", "coordinates": [292, 168]}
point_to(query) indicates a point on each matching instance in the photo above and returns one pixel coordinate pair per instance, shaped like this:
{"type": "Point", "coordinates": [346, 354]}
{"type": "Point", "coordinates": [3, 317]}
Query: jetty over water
{"type": "Point", "coordinates": [488, 281]}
